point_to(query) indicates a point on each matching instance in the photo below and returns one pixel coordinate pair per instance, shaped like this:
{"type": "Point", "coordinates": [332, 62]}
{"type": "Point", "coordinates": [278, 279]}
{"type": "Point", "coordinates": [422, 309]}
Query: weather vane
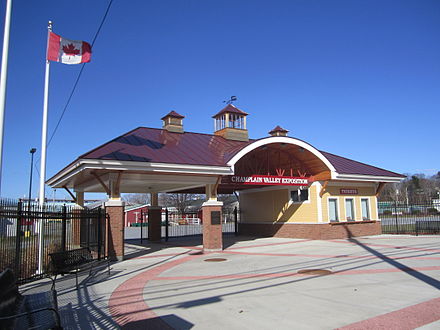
{"type": "Point", "coordinates": [232, 99]}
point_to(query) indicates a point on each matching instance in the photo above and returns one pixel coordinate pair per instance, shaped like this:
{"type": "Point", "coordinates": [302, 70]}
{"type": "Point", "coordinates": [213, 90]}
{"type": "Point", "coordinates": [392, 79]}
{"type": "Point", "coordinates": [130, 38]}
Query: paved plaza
{"type": "Point", "coordinates": [380, 282]}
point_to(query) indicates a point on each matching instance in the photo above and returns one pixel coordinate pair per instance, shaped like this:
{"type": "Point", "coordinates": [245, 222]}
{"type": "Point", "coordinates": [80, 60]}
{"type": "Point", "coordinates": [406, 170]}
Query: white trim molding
{"type": "Point", "coordinates": [361, 177]}
{"type": "Point", "coordinates": [318, 186]}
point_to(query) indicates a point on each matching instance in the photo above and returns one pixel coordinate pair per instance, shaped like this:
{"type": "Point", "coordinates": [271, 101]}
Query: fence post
{"type": "Point", "coordinates": [64, 229]}
{"type": "Point", "coordinates": [18, 239]}
{"type": "Point", "coordinates": [89, 226]}
{"type": "Point", "coordinates": [236, 221]}
{"type": "Point", "coordinates": [99, 233]}
{"type": "Point", "coordinates": [142, 225]}
{"type": "Point", "coordinates": [166, 224]}
{"type": "Point", "coordinates": [395, 212]}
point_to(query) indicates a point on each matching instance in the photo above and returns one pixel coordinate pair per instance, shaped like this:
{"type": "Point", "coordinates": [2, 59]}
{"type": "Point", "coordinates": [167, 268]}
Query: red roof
{"type": "Point", "coordinates": [230, 109]}
{"type": "Point", "coordinates": [278, 129]}
{"type": "Point", "coordinates": [173, 114]}
{"type": "Point", "coordinates": [157, 145]}
{"type": "Point", "coordinates": [161, 146]}
{"type": "Point", "coordinates": [348, 166]}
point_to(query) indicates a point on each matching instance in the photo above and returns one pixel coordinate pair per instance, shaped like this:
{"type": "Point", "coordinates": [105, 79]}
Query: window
{"type": "Point", "coordinates": [333, 209]}
{"type": "Point", "coordinates": [349, 209]}
{"type": "Point", "coordinates": [299, 196]}
{"type": "Point", "coordinates": [365, 209]}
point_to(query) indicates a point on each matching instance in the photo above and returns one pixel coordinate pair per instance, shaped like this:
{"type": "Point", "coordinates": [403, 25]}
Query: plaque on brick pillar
{"type": "Point", "coordinates": [215, 217]}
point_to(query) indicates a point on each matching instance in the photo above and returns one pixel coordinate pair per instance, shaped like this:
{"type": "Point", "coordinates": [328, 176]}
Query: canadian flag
{"type": "Point", "coordinates": [67, 51]}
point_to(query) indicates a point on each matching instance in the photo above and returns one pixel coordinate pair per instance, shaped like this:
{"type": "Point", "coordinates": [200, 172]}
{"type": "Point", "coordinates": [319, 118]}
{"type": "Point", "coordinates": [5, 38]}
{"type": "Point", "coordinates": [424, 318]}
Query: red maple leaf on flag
{"type": "Point", "coordinates": [70, 50]}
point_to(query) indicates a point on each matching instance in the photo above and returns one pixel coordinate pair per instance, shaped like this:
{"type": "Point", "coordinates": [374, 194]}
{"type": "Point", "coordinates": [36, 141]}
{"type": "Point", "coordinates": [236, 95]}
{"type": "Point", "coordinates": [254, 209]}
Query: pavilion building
{"type": "Point", "coordinates": [286, 187]}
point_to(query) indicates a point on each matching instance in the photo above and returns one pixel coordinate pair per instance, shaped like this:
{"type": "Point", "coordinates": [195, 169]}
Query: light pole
{"type": "Point", "coordinates": [32, 151]}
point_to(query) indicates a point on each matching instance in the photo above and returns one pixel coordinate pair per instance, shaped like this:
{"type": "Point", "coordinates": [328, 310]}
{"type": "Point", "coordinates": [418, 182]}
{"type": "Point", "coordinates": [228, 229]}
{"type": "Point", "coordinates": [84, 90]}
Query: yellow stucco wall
{"type": "Point", "coordinates": [275, 206]}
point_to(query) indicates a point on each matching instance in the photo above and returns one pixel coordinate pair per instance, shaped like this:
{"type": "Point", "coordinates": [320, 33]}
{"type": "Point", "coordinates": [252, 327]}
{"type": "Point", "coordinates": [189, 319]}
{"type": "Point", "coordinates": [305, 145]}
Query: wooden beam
{"type": "Point", "coordinates": [107, 190]}
{"type": "Point", "coordinates": [325, 175]}
{"type": "Point", "coordinates": [118, 183]}
{"type": "Point", "coordinates": [323, 189]}
{"type": "Point", "coordinates": [380, 188]}
{"type": "Point", "coordinates": [70, 193]}
{"type": "Point", "coordinates": [214, 187]}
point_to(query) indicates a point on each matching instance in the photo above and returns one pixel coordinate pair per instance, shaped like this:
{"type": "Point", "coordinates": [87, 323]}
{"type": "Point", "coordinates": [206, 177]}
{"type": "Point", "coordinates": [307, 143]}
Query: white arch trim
{"type": "Point", "coordinates": [281, 139]}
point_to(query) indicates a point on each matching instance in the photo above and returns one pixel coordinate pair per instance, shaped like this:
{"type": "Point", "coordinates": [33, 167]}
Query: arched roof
{"type": "Point", "coordinates": [280, 139]}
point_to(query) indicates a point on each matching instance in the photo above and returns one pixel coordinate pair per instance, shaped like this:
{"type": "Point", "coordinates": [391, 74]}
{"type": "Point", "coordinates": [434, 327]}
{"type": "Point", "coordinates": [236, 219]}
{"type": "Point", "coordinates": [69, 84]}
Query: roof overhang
{"type": "Point", "coordinates": [162, 176]}
{"type": "Point", "coordinates": [369, 178]}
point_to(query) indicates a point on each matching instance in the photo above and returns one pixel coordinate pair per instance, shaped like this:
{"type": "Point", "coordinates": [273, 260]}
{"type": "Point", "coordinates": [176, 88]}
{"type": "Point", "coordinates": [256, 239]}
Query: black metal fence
{"type": "Point", "coordinates": [413, 219]}
{"type": "Point", "coordinates": [29, 232]}
{"type": "Point", "coordinates": [181, 225]}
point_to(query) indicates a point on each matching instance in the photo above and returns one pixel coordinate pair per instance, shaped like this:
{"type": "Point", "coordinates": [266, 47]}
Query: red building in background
{"type": "Point", "coordinates": [133, 214]}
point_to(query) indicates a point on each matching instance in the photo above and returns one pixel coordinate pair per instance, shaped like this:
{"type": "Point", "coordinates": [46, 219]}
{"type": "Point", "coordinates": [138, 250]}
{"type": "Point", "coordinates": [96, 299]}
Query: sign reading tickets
{"type": "Point", "coordinates": [269, 180]}
{"type": "Point", "coordinates": [347, 191]}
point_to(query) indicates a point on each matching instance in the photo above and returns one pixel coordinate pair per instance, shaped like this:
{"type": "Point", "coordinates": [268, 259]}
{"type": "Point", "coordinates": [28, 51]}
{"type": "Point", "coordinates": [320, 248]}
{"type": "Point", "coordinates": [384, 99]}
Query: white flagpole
{"type": "Point", "coordinates": [44, 129]}
{"type": "Point", "coordinates": [43, 157]}
{"type": "Point", "coordinates": [3, 78]}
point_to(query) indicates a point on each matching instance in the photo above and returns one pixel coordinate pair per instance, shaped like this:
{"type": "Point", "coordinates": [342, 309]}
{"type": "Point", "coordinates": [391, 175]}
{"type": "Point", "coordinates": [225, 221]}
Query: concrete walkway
{"type": "Point", "coordinates": [381, 282]}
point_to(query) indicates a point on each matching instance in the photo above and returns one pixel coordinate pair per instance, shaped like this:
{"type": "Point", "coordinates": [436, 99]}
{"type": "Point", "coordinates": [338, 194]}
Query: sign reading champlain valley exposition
{"type": "Point", "coordinates": [268, 180]}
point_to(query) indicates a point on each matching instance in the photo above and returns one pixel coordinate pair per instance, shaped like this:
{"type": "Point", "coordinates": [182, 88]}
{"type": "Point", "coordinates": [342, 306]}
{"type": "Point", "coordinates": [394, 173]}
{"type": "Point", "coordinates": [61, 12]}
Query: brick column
{"type": "Point", "coordinates": [154, 223]}
{"type": "Point", "coordinates": [212, 226]}
{"type": "Point", "coordinates": [115, 239]}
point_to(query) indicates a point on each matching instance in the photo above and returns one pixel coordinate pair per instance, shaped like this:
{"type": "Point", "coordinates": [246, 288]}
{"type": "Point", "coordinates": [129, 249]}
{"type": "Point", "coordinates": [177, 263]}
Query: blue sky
{"type": "Point", "coordinates": [360, 79]}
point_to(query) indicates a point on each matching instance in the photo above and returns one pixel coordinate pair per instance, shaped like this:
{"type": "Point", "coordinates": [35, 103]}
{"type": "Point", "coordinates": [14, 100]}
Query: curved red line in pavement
{"type": "Point", "coordinates": [403, 319]}
{"type": "Point", "coordinates": [127, 304]}
{"type": "Point", "coordinates": [163, 255]}
{"type": "Point", "coordinates": [290, 274]}
{"type": "Point", "coordinates": [267, 244]}
{"type": "Point", "coordinates": [326, 255]}
{"type": "Point", "coordinates": [387, 246]}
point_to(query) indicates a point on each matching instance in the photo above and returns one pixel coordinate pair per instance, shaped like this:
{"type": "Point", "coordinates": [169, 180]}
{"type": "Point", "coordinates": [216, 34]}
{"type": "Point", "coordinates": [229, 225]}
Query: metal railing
{"type": "Point", "coordinates": [413, 219]}
{"type": "Point", "coordinates": [29, 232]}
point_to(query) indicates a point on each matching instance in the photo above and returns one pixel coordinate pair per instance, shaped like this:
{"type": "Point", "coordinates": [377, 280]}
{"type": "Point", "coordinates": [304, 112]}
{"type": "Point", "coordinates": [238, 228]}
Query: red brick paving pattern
{"type": "Point", "coordinates": [129, 309]}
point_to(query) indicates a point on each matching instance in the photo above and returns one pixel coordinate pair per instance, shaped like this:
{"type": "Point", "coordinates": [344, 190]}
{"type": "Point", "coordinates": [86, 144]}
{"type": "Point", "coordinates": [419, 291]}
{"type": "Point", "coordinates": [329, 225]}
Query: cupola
{"type": "Point", "coordinates": [230, 123]}
{"type": "Point", "coordinates": [279, 131]}
{"type": "Point", "coordinates": [173, 122]}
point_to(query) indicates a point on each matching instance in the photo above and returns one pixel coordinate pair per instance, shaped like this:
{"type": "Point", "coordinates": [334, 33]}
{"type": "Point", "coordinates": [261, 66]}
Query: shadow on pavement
{"type": "Point", "coordinates": [410, 271]}
{"type": "Point", "coordinates": [164, 322]}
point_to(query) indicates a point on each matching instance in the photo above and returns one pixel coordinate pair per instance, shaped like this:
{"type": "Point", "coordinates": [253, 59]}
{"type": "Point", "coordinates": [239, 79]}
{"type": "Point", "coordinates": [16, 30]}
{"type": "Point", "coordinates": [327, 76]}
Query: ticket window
{"type": "Point", "coordinates": [333, 210]}
{"type": "Point", "coordinates": [349, 209]}
{"type": "Point", "coordinates": [299, 196]}
{"type": "Point", "coordinates": [365, 206]}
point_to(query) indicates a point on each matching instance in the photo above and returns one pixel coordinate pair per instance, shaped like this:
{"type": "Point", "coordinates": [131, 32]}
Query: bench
{"type": "Point", "coordinates": [30, 311]}
{"type": "Point", "coordinates": [72, 262]}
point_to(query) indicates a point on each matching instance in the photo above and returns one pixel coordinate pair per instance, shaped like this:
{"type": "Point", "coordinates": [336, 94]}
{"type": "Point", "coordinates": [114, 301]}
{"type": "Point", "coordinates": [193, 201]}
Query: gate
{"type": "Point", "coordinates": [180, 225]}
{"type": "Point", "coordinates": [29, 232]}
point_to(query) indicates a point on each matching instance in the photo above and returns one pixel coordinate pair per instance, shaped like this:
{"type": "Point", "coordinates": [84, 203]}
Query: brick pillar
{"type": "Point", "coordinates": [115, 239]}
{"type": "Point", "coordinates": [212, 226]}
{"type": "Point", "coordinates": [154, 223]}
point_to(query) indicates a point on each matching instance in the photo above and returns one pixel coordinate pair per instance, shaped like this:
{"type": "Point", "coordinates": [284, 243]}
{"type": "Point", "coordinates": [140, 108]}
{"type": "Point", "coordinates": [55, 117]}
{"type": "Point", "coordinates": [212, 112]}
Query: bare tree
{"type": "Point", "coordinates": [136, 198]}
{"type": "Point", "coordinates": [180, 201]}
{"type": "Point", "coordinates": [415, 188]}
